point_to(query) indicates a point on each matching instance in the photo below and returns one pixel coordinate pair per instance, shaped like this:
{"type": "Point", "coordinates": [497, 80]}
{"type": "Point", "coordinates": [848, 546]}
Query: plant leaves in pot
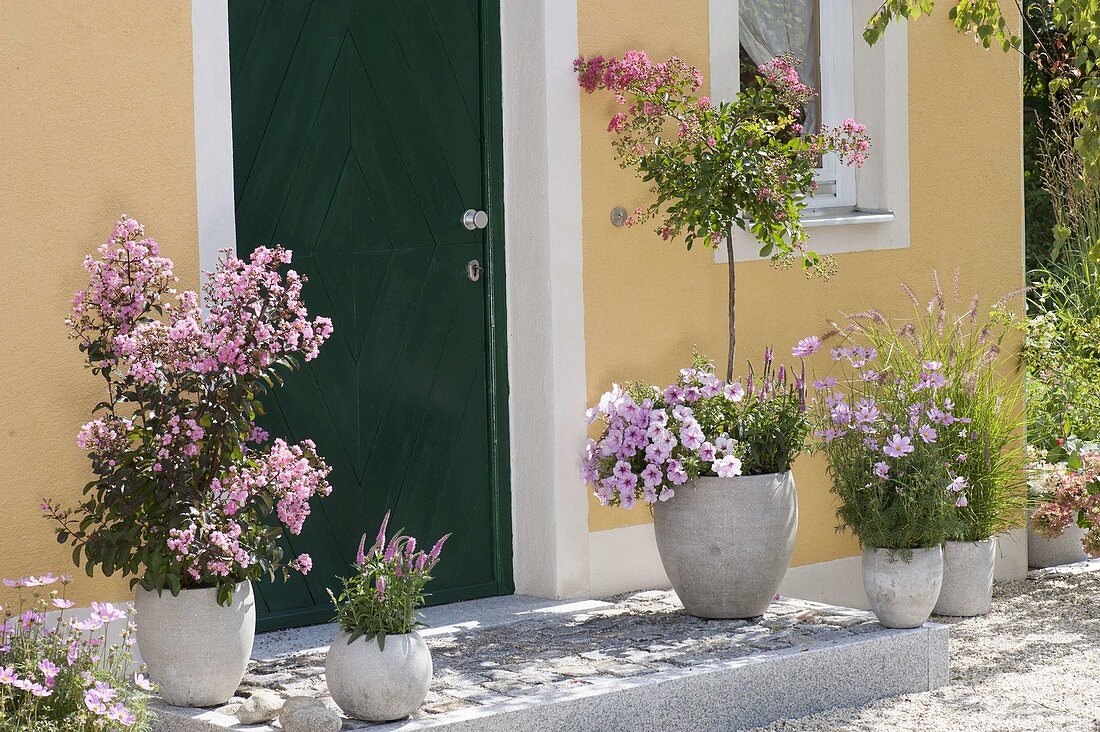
{"type": "Point", "coordinates": [379, 668]}
{"type": "Point", "coordinates": [898, 440]}
{"type": "Point", "coordinates": [190, 498]}
{"type": "Point", "coordinates": [712, 459]}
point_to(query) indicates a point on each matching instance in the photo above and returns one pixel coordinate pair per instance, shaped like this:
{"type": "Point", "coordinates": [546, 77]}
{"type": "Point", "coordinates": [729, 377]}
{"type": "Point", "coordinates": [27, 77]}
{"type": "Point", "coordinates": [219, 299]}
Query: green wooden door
{"type": "Point", "coordinates": [362, 131]}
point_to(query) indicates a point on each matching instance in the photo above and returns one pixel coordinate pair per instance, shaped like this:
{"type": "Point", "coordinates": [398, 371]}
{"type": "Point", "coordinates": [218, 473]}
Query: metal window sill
{"type": "Point", "coordinates": [846, 216]}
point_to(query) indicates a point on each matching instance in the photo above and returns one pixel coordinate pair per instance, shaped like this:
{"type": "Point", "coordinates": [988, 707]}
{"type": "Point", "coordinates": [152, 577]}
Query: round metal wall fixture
{"type": "Point", "coordinates": [618, 216]}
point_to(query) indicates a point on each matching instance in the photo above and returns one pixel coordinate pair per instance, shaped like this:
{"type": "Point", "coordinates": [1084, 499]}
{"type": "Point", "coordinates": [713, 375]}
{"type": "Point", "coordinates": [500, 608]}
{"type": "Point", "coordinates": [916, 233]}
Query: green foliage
{"type": "Point", "coordinates": [769, 423]}
{"type": "Point", "coordinates": [382, 596]}
{"type": "Point", "coordinates": [1062, 351]}
{"type": "Point", "coordinates": [980, 443]}
{"type": "Point", "coordinates": [1075, 22]}
{"type": "Point", "coordinates": [81, 682]}
{"type": "Point", "coordinates": [985, 386]}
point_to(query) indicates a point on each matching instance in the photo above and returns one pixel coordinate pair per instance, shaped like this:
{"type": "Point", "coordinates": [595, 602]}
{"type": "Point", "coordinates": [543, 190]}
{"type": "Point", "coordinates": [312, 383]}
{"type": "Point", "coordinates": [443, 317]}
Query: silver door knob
{"type": "Point", "coordinates": [475, 219]}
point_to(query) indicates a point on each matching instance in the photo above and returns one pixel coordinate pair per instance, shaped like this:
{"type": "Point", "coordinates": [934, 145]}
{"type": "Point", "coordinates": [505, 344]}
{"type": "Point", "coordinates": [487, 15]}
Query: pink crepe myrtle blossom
{"type": "Point", "coordinates": [176, 431]}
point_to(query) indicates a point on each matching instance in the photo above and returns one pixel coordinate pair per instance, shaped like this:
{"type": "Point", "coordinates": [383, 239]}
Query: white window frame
{"type": "Point", "coordinates": [879, 217]}
{"type": "Point", "coordinates": [838, 102]}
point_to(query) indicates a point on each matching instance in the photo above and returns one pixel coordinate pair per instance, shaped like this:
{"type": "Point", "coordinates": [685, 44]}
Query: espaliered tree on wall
{"type": "Point", "coordinates": [713, 166]}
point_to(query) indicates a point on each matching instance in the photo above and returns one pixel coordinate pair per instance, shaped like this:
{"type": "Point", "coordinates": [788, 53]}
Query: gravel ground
{"type": "Point", "coordinates": [1032, 664]}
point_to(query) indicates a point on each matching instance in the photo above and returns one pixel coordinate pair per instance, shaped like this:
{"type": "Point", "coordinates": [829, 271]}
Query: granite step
{"type": "Point", "coordinates": [634, 661]}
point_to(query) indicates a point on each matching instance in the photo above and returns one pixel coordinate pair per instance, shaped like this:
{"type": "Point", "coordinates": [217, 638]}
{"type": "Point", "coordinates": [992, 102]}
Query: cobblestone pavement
{"type": "Point", "coordinates": [1031, 665]}
{"type": "Point", "coordinates": [639, 634]}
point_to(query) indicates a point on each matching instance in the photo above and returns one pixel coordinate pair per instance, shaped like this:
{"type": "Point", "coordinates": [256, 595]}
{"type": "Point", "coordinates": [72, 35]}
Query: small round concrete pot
{"type": "Point", "coordinates": [902, 594]}
{"type": "Point", "coordinates": [725, 543]}
{"type": "Point", "coordinates": [196, 650]}
{"type": "Point", "coordinates": [1064, 549]}
{"type": "Point", "coordinates": [379, 685]}
{"type": "Point", "coordinates": [967, 578]}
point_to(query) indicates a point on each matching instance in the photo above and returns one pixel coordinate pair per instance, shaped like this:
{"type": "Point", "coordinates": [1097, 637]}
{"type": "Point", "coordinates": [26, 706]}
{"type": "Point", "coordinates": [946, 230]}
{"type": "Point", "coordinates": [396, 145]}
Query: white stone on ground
{"type": "Point", "coordinates": [295, 704]}
{"type": "Point", "coordinates": [1031, 665]}
{"type": "Point", "coordinates": [314, 719]}
{"type": "Point", "coordinates": [261, 706]}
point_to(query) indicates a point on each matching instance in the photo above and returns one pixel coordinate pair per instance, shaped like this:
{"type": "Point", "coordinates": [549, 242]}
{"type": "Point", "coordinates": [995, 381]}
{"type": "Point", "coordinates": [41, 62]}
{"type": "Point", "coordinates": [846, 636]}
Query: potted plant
{"type": "Point", "coordinates": [746, 163]}
{"type": "Point", "coordinates": [1065, 507]}
{"type": "Point", "coordinates": [59, 673]}
{"type": "Point", "coordinates": [189, 496]}
{"type": "Point", "coordinates": [712, 459]}
{"type": "Point", "coordinates": [950, 349]}
{"type": "Point", "coordinates": [379, 668]}
{"type": "Point", "coordinates": [882, 424]}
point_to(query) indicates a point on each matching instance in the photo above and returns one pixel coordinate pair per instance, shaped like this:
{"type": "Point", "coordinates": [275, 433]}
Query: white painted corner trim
{"type": "Point", "coordinates": [544, 252]}
{"type": "Point", "coordinates": [213, 130]}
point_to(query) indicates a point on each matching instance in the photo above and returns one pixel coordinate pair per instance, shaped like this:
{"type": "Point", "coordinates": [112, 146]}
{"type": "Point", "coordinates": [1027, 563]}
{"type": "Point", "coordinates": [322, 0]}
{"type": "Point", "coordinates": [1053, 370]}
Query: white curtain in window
{"type": "Point", "coordinates": [770, 28]}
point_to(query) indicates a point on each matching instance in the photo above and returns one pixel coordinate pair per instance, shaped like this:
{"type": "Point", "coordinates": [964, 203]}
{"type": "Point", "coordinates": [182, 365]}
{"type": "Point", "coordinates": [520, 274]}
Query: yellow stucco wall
{"type": "Point", "coordinates": [96, 108]}
{"type": "Point", "coordinates": [647, 301]}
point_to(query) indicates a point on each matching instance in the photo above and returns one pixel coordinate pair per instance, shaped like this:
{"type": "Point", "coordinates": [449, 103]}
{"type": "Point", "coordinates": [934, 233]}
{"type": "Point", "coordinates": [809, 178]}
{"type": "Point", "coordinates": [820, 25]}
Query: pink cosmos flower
{"type": "Point", "coordinates": [806, 347]}
{"type": "Point", "coordinates": [897, 446]}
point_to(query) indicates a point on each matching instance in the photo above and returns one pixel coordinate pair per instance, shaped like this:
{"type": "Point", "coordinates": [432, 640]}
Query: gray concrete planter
{"type": "Point", "coordinates": [1064, 549]}
{"type": "Point", "coordinates": [725, 543]}
{"type": "Point", "coordinates": [379, 685]}
{"type": "Point", "coordinates": [196, 649]}
{"type": "Point", "coordinates": [967, 578]}
{"type": "Point", "coordinates": [902, 594]}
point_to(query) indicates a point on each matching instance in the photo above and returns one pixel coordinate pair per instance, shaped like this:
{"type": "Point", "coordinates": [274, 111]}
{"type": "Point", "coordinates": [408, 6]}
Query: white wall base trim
{"type": "Point", "coordinates": [623, 560]}
{"type": "Point", "coordinates": [627, 559]}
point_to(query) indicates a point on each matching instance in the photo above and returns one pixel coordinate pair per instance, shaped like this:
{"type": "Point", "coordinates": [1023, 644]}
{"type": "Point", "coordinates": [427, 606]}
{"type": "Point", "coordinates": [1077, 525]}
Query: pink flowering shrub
{"type": "Point", "coordinates": [59, 674]}
{"type": "Point", "coordinates": [185, 482]}
{"type": "Point", "coordinates": [744, 163]}
{"type": "Point", "coordinates": [1068, 497]}
{"type": "Point", "coordinates": [655, 440]}
{"type": "Point", "coordinates": [383, 594]}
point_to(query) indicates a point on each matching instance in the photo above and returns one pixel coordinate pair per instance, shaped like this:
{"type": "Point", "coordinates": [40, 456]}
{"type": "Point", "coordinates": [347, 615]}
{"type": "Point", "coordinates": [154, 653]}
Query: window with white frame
{"type": "Point", "coordinates": [853, 210]}
{"type": "Point", "coordinates": [819, 34]}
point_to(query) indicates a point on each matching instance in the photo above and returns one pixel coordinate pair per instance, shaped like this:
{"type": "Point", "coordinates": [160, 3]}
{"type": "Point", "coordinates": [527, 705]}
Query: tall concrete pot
{"type": "Point", "coordinates": [196, 650]}
{"type": "Point", "coordinates": [967, 578]}
{"type": "Point", "coordinates": [1064, 549]}
{"type": "Point", "coordinates": [902, 594]}
{"type": "Point", "coordinates": [725, 543]}
{"type": "Point", "coordinates": [379, 685]}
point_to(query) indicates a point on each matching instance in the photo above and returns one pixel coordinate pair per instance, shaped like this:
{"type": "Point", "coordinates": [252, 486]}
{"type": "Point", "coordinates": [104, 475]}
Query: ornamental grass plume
{"type": "Point", "coordinates": [712, 166]}
{"type": "Point", "coordinates": [60, 674]}
{"type": "Point", "coordinates": [185, 482]}
{"type": "Point", "coordinates": [386, 589]}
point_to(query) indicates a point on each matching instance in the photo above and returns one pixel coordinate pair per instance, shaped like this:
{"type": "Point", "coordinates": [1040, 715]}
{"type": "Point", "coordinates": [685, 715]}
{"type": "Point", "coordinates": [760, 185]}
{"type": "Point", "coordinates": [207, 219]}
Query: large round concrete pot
{"type": "Point", "coordinates": [967, 578]}
{"type": "Point", "coordinates": [379, 685]}
{"type": "Point", "coordinates": [196, 650]}
{"type": "Point", "coordinates": [902, 594]}
{"type": "Point", "coordinates": [1064, 549]}
{"type": "Point", "coordinates": [725, 543]}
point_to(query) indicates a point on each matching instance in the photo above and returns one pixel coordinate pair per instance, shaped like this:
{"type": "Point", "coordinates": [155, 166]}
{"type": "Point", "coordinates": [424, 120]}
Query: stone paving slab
{"type": "Point", "coordinates": [512, 663]}
{"type": "Point", "coordinates": [1061, 570]}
